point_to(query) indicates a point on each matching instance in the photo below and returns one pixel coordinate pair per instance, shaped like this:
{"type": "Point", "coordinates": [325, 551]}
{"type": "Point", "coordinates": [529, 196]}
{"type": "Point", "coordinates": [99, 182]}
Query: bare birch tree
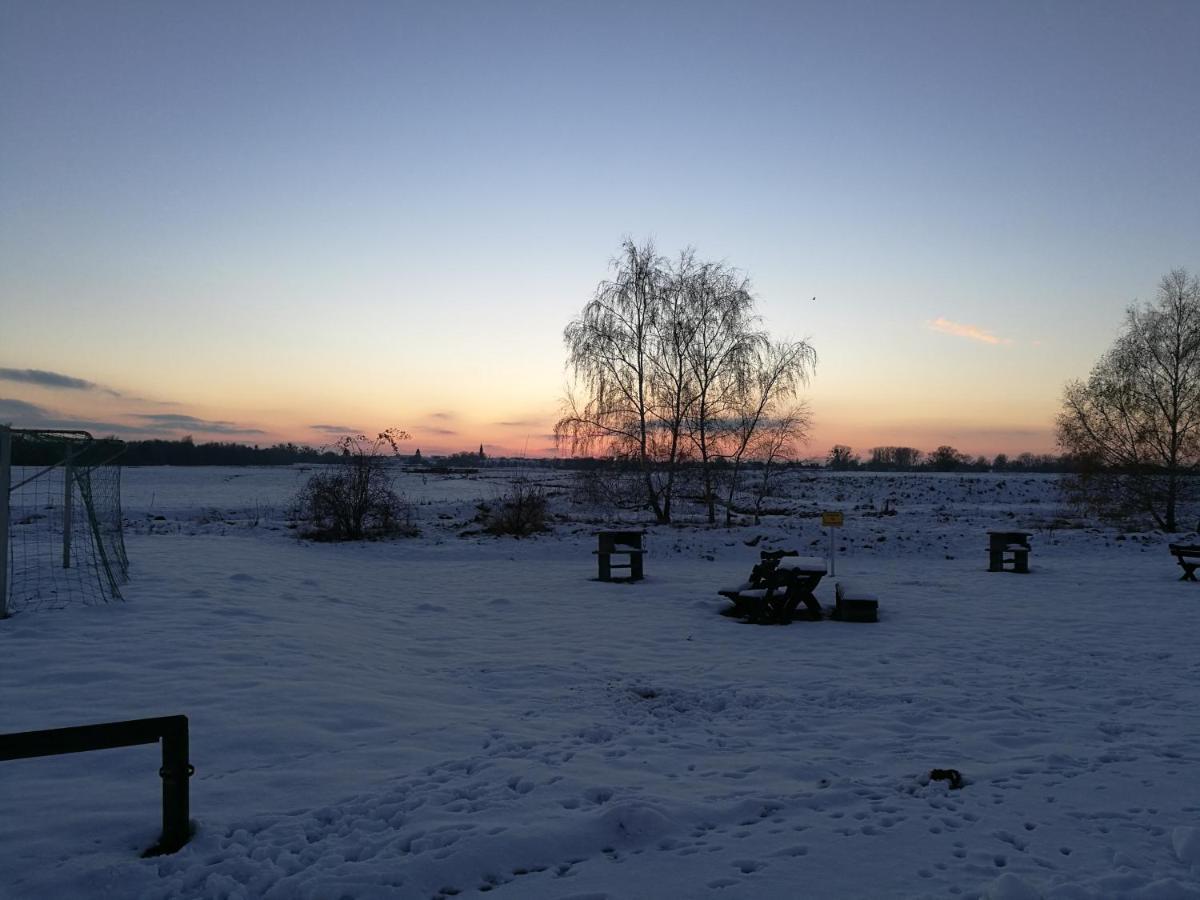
{"type": "Point", "coordinates": [672, 391]}
{"type": "Point", "coordinates": [776, 444]}
{"type": "Point", "coordinates": [670, 367]}
{"type": "Point", "coordinates": [724, 345]}
{"type": "Point", "coordinates": [777, 373]}
{"type": "Point", "coordinates": [610, 345]}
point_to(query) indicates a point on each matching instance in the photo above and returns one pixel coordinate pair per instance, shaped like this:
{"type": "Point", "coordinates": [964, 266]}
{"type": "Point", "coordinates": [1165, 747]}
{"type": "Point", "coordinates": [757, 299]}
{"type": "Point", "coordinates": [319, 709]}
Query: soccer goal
{"type": "Point", "coordinates": [61, 535]}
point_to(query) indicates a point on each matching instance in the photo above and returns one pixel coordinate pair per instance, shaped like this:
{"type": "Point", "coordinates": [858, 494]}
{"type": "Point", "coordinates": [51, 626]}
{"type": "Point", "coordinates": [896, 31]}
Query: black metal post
{"type": "Point", "coordinates": [175, 772]}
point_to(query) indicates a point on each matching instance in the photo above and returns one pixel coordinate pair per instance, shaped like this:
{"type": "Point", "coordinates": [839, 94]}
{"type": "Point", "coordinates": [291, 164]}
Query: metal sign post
{"type": "Point", "coordinates": [831, 520]}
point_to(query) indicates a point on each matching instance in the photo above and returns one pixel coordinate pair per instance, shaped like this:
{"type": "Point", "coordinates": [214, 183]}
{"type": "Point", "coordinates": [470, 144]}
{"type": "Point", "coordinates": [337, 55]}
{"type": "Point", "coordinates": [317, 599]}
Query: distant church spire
{"type": "Point", "coordinates": [481, 456]}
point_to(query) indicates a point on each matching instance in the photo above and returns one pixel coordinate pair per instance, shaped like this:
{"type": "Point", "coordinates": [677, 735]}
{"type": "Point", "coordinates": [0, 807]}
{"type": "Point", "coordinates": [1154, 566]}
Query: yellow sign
{"type": "Point", "coordinates": [832, 519]}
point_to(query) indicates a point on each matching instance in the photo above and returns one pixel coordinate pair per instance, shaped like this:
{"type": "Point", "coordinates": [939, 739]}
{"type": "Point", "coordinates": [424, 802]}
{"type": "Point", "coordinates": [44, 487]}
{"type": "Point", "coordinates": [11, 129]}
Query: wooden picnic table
{"type": "Point", "coordinates": [806, 573]}
{"type": "Point", "coordinates": [777, 587]}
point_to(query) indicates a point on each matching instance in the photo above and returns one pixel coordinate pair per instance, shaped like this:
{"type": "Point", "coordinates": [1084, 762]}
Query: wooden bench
{"type": "Point", "coordinates": [1188, 557]}
{"type": "Point", "coordinates": [1008, 548]}
{"type": "Point", "coordinates": [854, 604]}
{"type": "Point", "coordinates": [778, 584]}
{"type": "Point", "coordinates": [620, 543]}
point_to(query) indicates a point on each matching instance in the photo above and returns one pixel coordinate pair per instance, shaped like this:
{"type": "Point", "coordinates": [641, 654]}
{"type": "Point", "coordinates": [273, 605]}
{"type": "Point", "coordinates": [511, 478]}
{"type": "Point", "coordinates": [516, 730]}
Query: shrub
{"type": "Point", "coordinates": [520, 512]}
{"type": "Point", "coordinates": [354, 500]}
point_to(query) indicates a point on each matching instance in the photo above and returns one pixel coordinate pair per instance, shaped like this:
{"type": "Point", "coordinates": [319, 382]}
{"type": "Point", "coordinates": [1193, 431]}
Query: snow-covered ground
{"type": "Point", "coordinates": [449, 715]}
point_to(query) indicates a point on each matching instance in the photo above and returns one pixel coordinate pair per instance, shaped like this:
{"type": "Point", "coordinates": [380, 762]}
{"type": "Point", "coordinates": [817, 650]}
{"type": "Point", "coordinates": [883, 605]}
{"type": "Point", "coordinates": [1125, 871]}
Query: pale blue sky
{"type": "Point", "coordinates": [277, 215]}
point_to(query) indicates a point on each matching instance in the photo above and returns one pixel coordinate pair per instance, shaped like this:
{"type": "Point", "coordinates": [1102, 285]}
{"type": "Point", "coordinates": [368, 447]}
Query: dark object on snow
{"type": "Point", "coordinates": [1006, 547]}
{"type": "Point", "coordinates": [172, 731]}
{"type": "Point", "coordinates": [620, 542]}
{"type": "Point", "coordinates": [780, 582]}
{"type": "Point", "coordinates": [951, 775]}
{"type": "Point", "coordinates": [1188, 557]}
{"type": "Point", "coordinates": [855, 604]}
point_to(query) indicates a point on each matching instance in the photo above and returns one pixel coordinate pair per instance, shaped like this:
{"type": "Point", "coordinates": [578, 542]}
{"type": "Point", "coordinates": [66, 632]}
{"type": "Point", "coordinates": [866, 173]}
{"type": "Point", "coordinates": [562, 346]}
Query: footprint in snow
{"type": "Point", "coordinates": [748, 866]}
{"type": "Point", "coordinates": [798, 850]}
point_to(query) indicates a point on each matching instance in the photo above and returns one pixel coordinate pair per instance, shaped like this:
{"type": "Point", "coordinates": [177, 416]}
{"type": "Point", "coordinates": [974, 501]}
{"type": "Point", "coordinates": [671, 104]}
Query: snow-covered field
{"type": "Point", "coordinates": [449, 716]}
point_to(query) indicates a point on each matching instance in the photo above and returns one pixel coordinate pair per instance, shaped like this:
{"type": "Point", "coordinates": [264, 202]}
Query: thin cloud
{"type": "Point", "coordinates": [29, 415]}
{"type": "Point", "coordinates": [445, 432]}
{"type": "Point", "coordinates": [20, 411]}
{"type": "Point", "coordinates": [520, 423]}
{"type": "Point", "coordinates": [42, 378]}
{"type": "Point", "coordinates": [336, 429]}
{"type": "Point", "coordinates": [972, 332]}
{"type": "Point", "coordinates": [177, 421]}
{"type": "Point", "coordinates": [949, 431]}
{"type": "Point", "coordinates": [443, 416]}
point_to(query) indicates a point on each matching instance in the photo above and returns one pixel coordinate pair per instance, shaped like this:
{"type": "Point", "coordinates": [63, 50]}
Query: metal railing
{"type": "Point", "coordinates": [175, 771]}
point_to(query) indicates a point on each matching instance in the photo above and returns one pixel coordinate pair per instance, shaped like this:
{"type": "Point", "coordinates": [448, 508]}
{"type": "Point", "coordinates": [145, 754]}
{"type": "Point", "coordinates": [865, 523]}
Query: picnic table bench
{"type": "Point", "coordinates": [777, 585]}
{"type": "Point", "coordinates": [1188, 557]}
{"type": "Point", "coordinates": [855, 603]}
{"type": "Point", "coordinates": [620, 543]}
{"type": "Point", "coordinates": [1008, 547]}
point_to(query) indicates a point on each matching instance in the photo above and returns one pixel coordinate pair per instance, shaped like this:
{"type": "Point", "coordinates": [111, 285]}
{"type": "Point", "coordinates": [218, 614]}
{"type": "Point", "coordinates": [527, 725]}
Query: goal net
{"type": "Point", "coordinates": [61, 539]}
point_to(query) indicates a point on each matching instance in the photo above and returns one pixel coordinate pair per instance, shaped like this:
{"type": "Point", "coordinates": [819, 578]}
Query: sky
{"type": "Point", "coordinates": [275, 221]}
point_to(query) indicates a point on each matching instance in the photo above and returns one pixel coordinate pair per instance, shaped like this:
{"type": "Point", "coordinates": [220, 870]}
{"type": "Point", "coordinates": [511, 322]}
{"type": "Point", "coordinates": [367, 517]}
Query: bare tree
{"type": "Point", "coordinates": [609, 348]}
{"type": "Point", "coordinates": [724, 341]}
{"type": "Point", "coordinates": [777, 373]}
{"type": "Point", "coordinates": [775, 444]}
{"type": "Point", "coordinates": [946, 459]}
{"type": "Point", "coordinates": [1135, 423]}
{"type": "Point", "coordinates": [841, 458]}
{"type": "Point", "coordinates": [670, 366]}
{"type": "Point", "coordinates": [672, 389]}
{"type": "Point", "coordinates": [894, 458]}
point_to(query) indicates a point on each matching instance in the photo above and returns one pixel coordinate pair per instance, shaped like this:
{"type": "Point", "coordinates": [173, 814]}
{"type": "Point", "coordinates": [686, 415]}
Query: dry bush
{"type": "Point", "coordinates": [354, 500]}
{"type": "Point", "coordinates": [520, 512]}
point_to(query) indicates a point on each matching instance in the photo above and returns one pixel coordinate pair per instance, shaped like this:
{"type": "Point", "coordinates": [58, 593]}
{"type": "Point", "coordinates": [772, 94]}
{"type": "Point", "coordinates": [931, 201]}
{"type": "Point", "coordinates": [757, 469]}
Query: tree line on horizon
{"type": "Point", "coordinates": [29, 450]}
{"type": "Point", "coordinates": [945, 458]}
{"type": "Point", "coordinates": [186, 452]}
